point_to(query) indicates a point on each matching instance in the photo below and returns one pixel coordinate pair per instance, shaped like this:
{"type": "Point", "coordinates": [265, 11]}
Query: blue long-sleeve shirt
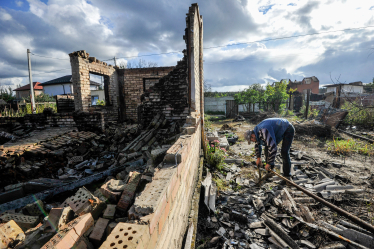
{"type": "Point", "coordinates": [269, 133]}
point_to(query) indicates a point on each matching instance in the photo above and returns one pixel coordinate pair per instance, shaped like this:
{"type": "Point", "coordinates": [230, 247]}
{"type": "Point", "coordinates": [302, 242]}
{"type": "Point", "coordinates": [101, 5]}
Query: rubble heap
{"type": "Point", "coordinates": [275, 215]}
{"type": "Point", "coordinates": [85, 218]}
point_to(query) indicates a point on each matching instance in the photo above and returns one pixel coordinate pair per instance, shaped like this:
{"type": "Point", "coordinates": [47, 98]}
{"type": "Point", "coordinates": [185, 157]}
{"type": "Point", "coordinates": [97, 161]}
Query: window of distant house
{"type": "Point", "coordinates": [308, 81]}
{"type": "Point", "coordinates": [94, 100]}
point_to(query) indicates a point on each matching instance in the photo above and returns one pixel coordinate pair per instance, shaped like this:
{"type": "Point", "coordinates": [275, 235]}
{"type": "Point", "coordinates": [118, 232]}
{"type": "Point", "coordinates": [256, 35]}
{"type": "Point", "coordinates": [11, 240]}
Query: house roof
{"type": "Point", "coordinates": [357, 83]}
{"type": "Point", "coordinates": [37, 86]}
{"type": "Point", "coordinates": [314, 78]}
{"type": "Point", "coordinates": [65, 79]}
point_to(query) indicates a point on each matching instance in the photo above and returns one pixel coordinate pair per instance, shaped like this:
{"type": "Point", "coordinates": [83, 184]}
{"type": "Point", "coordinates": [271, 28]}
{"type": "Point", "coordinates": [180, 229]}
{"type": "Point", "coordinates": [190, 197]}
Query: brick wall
{"type": "Point", "coordinates": [168, 221]}
{"type": "Point", "coordinates": [195, 54]}
{"type": "Point", "coordinates": [169, 96]}
{"type": "Point", "coordinates": [81, 66]}
{"type": "Point", "coordinates": [84, 121]}
{"type": "Point", "coordinates": [313, 86]}
{"type": "Point", "coordinates": [132, 83]}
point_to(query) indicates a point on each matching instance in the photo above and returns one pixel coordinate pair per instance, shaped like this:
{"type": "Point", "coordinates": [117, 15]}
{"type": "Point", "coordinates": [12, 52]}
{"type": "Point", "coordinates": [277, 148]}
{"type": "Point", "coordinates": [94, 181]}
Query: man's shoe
{"type": "Point", "coordinates": [283, 182]}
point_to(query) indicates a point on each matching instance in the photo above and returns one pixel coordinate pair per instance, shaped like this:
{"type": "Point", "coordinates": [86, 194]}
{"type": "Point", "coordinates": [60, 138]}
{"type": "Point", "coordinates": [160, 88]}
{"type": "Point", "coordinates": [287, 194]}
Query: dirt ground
{"type": "Point", "coordinates": [354, 169]}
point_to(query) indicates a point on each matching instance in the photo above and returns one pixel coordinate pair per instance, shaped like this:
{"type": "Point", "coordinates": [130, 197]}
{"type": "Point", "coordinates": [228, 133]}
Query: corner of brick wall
{"type": "Point", "coordinates": [169, 219]}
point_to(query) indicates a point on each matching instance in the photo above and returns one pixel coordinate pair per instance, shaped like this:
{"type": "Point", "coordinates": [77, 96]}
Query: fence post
{"type": "Point", "coordinates": [307, 103]}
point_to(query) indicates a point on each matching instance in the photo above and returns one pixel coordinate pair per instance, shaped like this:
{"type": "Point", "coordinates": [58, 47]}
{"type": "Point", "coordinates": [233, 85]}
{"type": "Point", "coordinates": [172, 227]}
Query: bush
{"type": "Point", "coordinates": [312, 113]}
{"type": "Point", "coordinates": [43, 97]}
{"type": "Point", "coordinates": [343, 147]}
{"type": "Point", "coordinates": [215, 155]}
{"type": "Point", "coordinates": [214, 112]}
{"type": "Point", "coordinates": [358, 115]}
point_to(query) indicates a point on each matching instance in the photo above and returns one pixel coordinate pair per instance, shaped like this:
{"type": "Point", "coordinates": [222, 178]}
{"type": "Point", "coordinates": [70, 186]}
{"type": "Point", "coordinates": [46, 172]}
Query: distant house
{"type": "Point", "coordinates": [64, 85]}
{"type": "Point", "coordinates": [308, 83]}
{"type": "Point", "coordinates": [350, 88]}
{"type": "Point", "coordinates": [24, 91]}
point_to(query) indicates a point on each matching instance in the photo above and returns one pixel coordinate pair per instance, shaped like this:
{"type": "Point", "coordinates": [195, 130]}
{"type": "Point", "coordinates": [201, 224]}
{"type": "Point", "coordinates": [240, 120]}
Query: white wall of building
{"type": "Point", "coordinates": [58, 89]}
{"type": "Point", "coordinates": [219, 104]}
{"type": "Point", "coordinates": [97, 93]}
{"type": "Point", "coordinates": [355, 89]}
{"type": "Point", "coordinates": [347, 88]}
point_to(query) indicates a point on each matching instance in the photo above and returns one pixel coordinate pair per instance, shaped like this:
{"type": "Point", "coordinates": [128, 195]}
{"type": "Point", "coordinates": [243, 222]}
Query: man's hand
{"type": "Point", "coordinates": [258, 162]}
{"type": "Point", "coordinates": [268, 167]}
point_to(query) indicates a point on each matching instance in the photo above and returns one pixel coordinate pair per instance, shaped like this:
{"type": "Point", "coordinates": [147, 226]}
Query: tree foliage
{"type": "Point", "coordinates": [6, 93]}
{"type": "Point", "coordinates": [250, 96]}
{"type": "Point", "coordinates": [276, 94]}
{"type": "Point", "coordinates": [43, 97]}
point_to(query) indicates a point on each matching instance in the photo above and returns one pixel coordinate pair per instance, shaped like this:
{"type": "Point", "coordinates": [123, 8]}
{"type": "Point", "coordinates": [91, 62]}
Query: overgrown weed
{"type": "Point", "coordinates": [346, 147]}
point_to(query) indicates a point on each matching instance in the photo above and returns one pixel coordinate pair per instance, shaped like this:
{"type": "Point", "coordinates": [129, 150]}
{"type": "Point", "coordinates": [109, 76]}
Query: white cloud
{"type": "Point", "coordinates": [130, 28]}
{"type": "Point", "coordinates": [19, 3]}
{"type": "Point", "coordinates": [4, 16]}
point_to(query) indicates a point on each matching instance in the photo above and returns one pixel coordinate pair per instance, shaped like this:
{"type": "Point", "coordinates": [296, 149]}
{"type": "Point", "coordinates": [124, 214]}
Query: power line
{"type": "Point", "coordinates": [228, 45]}
{"type": "Point", "coordinates": [143, 55]}
{"type": "Point", "coordinates": [288, 37]}
{"type": "Point", "coordinates": [40, 73]}
{"type": "Point", "coordinates": [52, 71]}
{"type": "Point", "coordinates": [49, 57]}
{"type": "Point", "coordinates": [265, 40]}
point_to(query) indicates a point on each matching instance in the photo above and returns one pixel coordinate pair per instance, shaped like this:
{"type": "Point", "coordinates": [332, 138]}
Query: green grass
{"type": "Point", "coordinates": [346, 147]}
{"type": "Point", "coordinates": [221, 184]}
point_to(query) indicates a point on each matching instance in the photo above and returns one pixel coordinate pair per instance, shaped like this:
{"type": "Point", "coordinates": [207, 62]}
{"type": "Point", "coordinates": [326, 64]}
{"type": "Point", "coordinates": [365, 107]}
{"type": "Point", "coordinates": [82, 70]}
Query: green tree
{"type": "Point", "coordinates": [276, 94]}
{"type": "Point", "coordinates": [43, 97]}
{"type": "Point", "coordinates": [250, 96]}
{"type": "Point", "coordinates": [6, 93]}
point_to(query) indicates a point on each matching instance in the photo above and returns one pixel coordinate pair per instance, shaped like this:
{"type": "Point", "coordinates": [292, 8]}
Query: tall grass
{"type": "Point", "coordinates": [346, 147]}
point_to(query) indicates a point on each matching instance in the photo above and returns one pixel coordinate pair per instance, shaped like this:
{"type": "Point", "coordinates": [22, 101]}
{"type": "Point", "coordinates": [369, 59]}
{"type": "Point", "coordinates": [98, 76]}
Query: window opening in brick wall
{"type": "Point", "coordinates": [149, 82]}
{"type": "Point", "coordinates": [99, 89]}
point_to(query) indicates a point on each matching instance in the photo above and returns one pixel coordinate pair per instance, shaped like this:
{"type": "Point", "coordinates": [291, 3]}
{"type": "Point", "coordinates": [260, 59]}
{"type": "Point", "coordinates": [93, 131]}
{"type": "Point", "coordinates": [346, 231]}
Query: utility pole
{"type": "Point", "coordinates": [31, 83]}
{"type": "Point", "coordinates": [307, 103]}
{"type": "Point", "coordinates": [115, 61]}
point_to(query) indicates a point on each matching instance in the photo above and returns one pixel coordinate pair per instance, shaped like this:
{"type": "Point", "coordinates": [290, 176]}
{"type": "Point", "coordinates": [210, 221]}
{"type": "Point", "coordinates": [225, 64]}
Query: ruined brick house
{"type": "Point", "coordinates": [160, 160]}
{"type": "Point", "coordinates": [138, 94]}
{"type": "Point", "coordinates": [308, 83]}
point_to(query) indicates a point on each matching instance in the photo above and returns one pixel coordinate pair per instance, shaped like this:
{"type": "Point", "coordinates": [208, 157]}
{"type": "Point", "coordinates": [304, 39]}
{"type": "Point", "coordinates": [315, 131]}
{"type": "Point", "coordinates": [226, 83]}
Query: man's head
{"type": "Point", "coordinates": [250, 136]}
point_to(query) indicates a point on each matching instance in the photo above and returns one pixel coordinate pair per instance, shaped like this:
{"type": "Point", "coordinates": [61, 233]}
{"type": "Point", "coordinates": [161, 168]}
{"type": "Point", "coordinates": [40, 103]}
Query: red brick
{"type": "Point", "coordinates": [126, 234]}
{"type": "Point", "coordinates": [175, 189]}
{"type": "Point", "coordinates": [112, 196]}
{"type": "Point", "coordinates": [10, 232]}
{"type": "Point", "coordinates": [129, 192]}
{"type": "Point", "coordinates": [157, 215]}
{"type": "Point", "coordinates": [98, 232]}
{"type": "Point", "coordinates": [153, 240]}
{"type": "Point", "coordinates": [164, 215]}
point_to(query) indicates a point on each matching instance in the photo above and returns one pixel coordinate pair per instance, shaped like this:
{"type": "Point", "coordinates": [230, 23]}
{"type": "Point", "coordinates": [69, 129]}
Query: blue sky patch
{"type": "Point", "coordinates": [291, 4]}
{"type": "Point", "coordinates": [265, 9]}
{"type": "Point", "coordinates": [21, 5]}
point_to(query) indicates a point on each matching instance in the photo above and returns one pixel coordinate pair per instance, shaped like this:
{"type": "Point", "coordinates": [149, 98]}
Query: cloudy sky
{"type": "Point", "coordinates": [241, 44]}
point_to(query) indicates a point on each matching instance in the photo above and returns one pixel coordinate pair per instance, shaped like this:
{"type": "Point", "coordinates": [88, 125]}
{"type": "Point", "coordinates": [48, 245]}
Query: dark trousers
{"type": "Point", "coordinates": [285, 150]}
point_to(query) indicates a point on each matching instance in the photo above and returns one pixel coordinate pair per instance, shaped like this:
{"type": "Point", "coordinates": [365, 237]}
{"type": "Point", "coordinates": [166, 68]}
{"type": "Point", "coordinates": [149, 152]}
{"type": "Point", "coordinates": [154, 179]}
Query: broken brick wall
{"type": "Point", "coordinates": [169, 96]}
{"type": "Point", "coordinates": [133, 83]}
{"type": "Point", "coordinates": [83, 120]}
{"type": "Point", "coordinates": [81, 66]}
{"type": "Point", "coordinates": [174, 184]}
{"type": "Point", "coordinates": [180, 93]}
{"type": "Point", "coordinates": [195, 54]}
{"type": "Point", "coordinates": [166, 201]}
